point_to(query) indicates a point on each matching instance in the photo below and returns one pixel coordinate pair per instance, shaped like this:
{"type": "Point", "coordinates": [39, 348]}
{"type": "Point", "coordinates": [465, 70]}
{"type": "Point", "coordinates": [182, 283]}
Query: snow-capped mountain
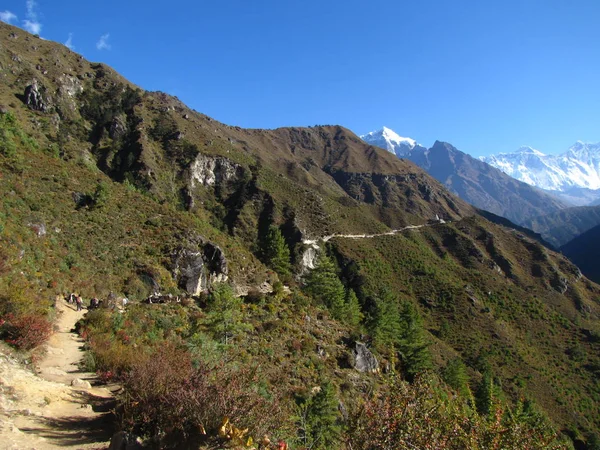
{"type": "Point", "coordinates": [578, 167]}
{"type": "Point", "coordinates": [473, 180]}
{"type": "Point", "coordinates": [391, 141]}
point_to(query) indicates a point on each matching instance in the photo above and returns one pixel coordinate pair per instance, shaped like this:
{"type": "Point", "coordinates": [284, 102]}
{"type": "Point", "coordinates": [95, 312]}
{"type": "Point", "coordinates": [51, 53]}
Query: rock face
{"type": "Point", "coordinates": [209, 170]}
{"type": "Point", "coordinates": [118, 127]}
{"type": "Point", "coordinates": [34, 98]}
{"type": "Point", "coordinates": [309, 258]}
{"type": "Point", "coordinates": [198, 266]}
{"type": "Point", "coordinates": [363, 360]}
{"type": "Point", "coordinates": [69, 86]}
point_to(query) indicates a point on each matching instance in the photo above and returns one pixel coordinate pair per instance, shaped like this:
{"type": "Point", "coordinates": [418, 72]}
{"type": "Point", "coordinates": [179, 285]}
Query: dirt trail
{"type": "Point", "coordinates": [45, 411]}
{"type": "Point", "coordinates": [314, 242]}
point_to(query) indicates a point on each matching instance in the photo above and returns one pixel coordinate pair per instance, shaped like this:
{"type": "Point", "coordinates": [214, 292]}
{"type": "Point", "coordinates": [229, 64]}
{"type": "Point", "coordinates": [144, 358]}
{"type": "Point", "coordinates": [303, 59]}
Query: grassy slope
{"type": "Point", "coordinates": [518, 324]}
{"type": "Point", "coordinates": [563, 226]}
{"type": "Point", "coordinates": [583, 250]}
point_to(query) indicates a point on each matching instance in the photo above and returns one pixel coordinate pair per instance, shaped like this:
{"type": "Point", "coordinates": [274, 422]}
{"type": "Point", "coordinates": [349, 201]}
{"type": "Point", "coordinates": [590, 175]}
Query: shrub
{"type": "Point", "coordinates": [423, 415]}
{"type": "Point", "coordinates": [25, 332]}
{"type": "Point", "coordinates": [169, 400]}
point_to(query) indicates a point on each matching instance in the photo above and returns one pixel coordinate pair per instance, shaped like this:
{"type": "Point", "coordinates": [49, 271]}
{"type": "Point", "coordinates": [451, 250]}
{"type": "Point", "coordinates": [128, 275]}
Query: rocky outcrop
{"type": "Point", "coordinates": [69, 86]}
{"type": "Point", "coordinates": [559, 283]}
{"type": "Point", "coordinates": [362, 359]}
{"type": "Point", "coordinates": [34, 98]}
{"type": "Point", "coordinates": [118, 127]}
{"type": "Point", "coordinates": [309, 258]}
{"type": "Point", "coordinates": [198, 266]}
{"type": "Point", "coordinates": [210, 170]}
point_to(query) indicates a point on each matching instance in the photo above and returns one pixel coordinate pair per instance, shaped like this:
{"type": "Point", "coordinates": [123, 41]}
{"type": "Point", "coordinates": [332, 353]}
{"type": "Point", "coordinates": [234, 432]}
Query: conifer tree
{"type": "Point", "coordinates": [386, 325]}
{"type": "Point", "coordinates": [401, 329]}
{"type": "Point", "coordinates": [224, 314]}
{"type": "Point", "coordinates": [352, 313]}
{"type": "Point", "coordinates": [276, 252]}
{"type": "Point", "coordinates": [455, 375]}
{"type": "Point", "coordinates": [487, 395]}
{"type": "Point", "coordinates": [413, 345]}
{"type": "Point", "coordinates": [320, 419]}
{"type": "Point", "coordinates": [324, 285]}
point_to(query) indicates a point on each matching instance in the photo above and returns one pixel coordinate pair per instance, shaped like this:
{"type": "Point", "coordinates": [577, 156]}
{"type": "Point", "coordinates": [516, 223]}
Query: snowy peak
{"type": "Point", "coordinates": [529, 150]}
{"type": "Point", "coordinates": [391, 141]}
{"type": "Point", "coordinates": [578, 167]}
{"type": "Point", "coordinates": [392, 136]}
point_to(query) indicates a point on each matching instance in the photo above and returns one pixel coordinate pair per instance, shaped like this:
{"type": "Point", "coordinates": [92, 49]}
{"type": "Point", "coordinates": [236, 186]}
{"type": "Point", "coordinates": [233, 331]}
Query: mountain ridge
{"type": "Point", "coordinates": [572, 172]}
{"type": "Point", "coordinates": [474, 181]}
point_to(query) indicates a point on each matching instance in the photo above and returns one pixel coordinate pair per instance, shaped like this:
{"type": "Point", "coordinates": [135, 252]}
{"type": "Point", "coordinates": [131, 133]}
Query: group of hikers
{"type": "Point", "coordinates": [95, 303]}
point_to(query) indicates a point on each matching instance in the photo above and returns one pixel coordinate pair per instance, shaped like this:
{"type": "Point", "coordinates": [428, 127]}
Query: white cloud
{"type": "Point", "coordinates": [102, 43]}
{"type": "Point", "coordinates": [7, 16]}
{"type": "Point", "coordinates": [31, 9]}
{"type": "Point", "coordinates": [69, 42]}
{"type": "Point", "coordinates": [32, 27]}
{"type": "Point", "coordinates": [32, 23]}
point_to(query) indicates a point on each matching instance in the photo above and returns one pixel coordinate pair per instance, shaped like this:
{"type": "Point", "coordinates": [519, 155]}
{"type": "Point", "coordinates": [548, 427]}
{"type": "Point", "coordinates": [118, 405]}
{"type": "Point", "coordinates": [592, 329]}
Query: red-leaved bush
{"type": "Point", "coordinates": [25, 332]}
{"type": "Point", "coordinates": [167, 398]}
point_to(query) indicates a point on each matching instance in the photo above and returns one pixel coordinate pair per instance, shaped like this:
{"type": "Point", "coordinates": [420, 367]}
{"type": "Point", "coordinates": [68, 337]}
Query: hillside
{"type": "Point", "coordinates": [109, 189]}
{"type": "Point", "coordinates": [565, 225]}
{"type": "Point", "coordinates": [583, 251]}
{"type": "Point", "coordinates": [476, 182]}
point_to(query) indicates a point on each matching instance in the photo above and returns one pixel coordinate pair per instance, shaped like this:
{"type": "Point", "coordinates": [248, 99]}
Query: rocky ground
{"type": "Point", "coordinates": [59, 406]}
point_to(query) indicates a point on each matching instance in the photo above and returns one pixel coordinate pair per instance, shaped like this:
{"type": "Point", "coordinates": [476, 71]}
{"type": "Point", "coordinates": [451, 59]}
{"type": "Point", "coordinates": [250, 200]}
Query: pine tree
{"type": "Point", "coordinates": [488, 395]}
{"type": "Point", "coordinates": [455, 375]}
{"type": "Point", "coordinates": [320, 419]}
{"type": "Point", "coordinates": [352, 313]}
{"type": "Point", "coordinates": [276, 252]}
{"type": "Point", "coordinates": [224, 314]}
{"type": "Point", "coordinates": [324, 285]}
{"type": "Point", "coordinates": [386, 326]}
{"type": "Point", "coordinates": [413, 345]}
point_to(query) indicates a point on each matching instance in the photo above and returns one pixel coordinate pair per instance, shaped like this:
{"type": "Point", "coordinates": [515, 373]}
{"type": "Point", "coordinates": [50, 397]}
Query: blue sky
{"type": "Point", "coordinates": [487, 76]}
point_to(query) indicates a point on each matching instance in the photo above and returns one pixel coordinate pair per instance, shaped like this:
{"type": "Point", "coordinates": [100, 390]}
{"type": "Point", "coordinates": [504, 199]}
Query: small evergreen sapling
{"type": "Point", "coordinates": [276, 252]}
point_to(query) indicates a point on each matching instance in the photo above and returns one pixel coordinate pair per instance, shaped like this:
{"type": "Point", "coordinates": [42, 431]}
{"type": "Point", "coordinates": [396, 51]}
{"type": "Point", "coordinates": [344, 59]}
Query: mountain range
{"type": "Point", "coordinates": [474, 181]}
{"type": "Point", "coordinates": [574, 175]}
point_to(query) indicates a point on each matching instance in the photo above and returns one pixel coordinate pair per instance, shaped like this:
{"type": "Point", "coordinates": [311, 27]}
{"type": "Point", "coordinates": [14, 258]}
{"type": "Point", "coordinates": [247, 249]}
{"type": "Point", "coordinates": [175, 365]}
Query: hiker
{"type": "Point", "coordinates": [125, 301]}
{"type": "Point", "coordinates": [71, 298]}
{"type": "Point", "coordinates": [79, 302]}
{"type": "Point", "coordinates": [94, 303]}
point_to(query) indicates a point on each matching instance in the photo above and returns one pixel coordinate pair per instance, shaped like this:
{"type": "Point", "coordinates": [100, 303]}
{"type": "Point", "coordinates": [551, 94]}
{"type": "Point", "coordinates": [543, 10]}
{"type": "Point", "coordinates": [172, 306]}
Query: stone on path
{"type": "Point", "coordinates": [79, 383]}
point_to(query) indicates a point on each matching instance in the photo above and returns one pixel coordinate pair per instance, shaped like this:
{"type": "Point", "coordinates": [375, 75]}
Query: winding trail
{"type": "Point", "coordinates": [59, 407]}
{"type": "Point", "coordinates": [362, 236]}
{"type": "Point", "coordinates": [309, 256]}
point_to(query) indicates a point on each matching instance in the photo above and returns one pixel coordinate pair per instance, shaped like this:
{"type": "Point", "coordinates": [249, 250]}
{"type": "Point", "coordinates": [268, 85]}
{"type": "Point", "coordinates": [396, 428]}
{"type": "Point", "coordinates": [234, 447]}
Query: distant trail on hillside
{"type": "Point", "coordinates": [309, 258]}
{"type": "Point", "coordinates": [314, 242]}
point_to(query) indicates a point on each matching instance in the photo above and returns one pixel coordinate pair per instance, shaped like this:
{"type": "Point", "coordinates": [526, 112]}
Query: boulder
{"type": "Point", "coordinates": [33, 97]}
{"type": "Point", "coordinates": [198, 265]}
{"type": "Point", "coordinates": [362, 359]}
